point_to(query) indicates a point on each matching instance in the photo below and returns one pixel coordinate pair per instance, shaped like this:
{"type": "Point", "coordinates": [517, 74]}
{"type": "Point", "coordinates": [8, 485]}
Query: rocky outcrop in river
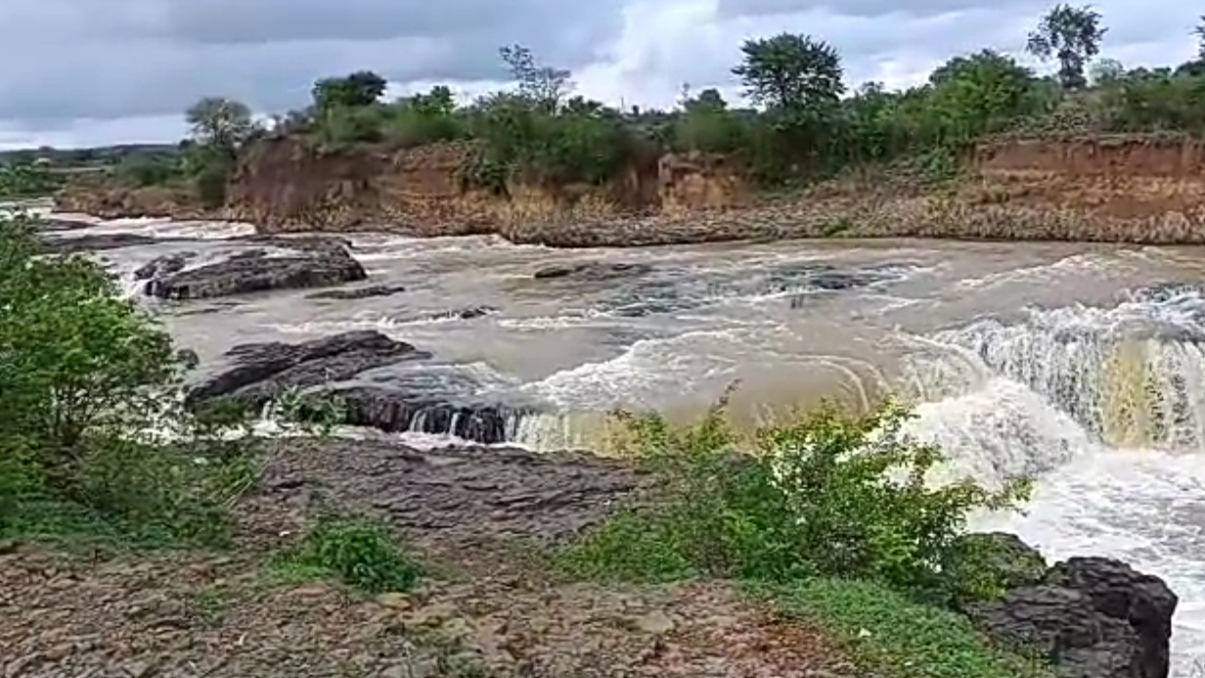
{"type": "Point", "coordinates": [1089, 617]}
{"type": "Point", "coordinates": [382, 383]}
{"type": "Point", "coordinates": [279, 263]}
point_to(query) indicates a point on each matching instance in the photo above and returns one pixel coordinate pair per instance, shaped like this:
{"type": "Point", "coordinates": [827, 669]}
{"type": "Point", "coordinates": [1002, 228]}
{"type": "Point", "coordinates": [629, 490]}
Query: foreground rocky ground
{"type": "Point", "coordinates": [488, 611]}
{"type": "Point", "coordinates": [477, 518]}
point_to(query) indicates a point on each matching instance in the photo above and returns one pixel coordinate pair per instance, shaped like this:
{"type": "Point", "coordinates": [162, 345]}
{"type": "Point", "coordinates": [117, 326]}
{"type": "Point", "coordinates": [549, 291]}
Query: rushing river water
{"type": "Point", "coordinates": [1083, 365]}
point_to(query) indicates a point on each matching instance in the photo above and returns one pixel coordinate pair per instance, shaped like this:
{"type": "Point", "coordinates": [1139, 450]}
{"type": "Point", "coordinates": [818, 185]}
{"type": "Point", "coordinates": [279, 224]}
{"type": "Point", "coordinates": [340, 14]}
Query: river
{"type": "Point", "coordinates": [1082, 365]}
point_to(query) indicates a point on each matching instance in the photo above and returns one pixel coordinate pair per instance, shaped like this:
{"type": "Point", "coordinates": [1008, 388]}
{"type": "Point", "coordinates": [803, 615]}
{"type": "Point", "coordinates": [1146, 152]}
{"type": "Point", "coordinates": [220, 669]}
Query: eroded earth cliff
{"type": "Point", "coordinates": [1140, 189]}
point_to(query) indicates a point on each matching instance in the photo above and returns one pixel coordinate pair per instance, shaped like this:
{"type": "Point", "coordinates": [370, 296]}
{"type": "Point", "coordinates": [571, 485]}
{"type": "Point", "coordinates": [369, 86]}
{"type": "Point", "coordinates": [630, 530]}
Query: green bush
{"type": "Point", "coordinates": [834, 515]}
{"type": "Point", "coordinates": [359, 552]}
{"type": "Point", "coordinates": [832, 495]}
{"type": "Point", "coordinates": [148, 170]}
{"type": "Point", "coordinates": [87, 380]}
{"type": "Point", "coordinates": [209, 168]}
{"type": "Point", "coordinates": [343, 127]}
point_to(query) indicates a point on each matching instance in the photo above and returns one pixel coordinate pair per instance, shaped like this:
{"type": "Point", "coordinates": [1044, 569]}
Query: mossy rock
{"type": "Point", "coordinates": [988, 564]}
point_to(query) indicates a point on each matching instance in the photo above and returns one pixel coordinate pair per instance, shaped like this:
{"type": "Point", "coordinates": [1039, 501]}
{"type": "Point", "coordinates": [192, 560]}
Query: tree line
{"type": "Point", "coordinates": [804, 123]}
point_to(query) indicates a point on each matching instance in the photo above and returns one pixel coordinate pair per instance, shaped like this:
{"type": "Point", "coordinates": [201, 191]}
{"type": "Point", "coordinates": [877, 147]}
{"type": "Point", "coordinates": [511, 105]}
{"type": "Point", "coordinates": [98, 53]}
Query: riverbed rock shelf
{"type": "Point", "coordinates": [382, 383]}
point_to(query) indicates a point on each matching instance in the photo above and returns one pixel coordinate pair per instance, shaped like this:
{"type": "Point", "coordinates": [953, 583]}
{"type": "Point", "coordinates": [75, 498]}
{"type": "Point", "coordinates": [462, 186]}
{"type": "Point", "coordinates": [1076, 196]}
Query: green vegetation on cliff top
{"type": "Point", "coordinates": [807, 124]}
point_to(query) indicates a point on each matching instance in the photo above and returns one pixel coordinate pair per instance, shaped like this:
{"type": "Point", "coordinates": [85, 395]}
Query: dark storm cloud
{"type": "Point", "coordinates": [84, 58]}
{"type": "Point", "coordinates": [222, 21]}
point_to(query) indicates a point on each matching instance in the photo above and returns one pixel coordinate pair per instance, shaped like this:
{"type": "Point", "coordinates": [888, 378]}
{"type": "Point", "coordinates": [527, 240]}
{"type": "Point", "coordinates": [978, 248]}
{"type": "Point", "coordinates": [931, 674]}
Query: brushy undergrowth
{"type": "Point", "coordinates": [357, 551]}
{"type": "Point", "coordinates": [829, 501]}
{"type": "Point", "coordinates": [95, 442]}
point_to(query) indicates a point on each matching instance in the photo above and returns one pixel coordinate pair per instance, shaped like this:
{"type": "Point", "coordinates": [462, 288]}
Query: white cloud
{"type": "Point", "coordinates": [119, 74]}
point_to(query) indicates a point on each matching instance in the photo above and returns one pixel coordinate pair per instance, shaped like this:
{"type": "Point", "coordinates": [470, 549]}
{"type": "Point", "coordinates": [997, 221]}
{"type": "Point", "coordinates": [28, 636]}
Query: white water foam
{"type": "Point", "coordinates": [1040, 398]}
{"type": "Point", "coordinates": [643, 374]}
{"type": "Point", "coordinates": [368, 320]}
{"type": "Point", "coordinates": [382, 247]}
{"type": "Point", "coordinates": [159, 228]}
{"type": "Point", "coordinates": [1075, 265]}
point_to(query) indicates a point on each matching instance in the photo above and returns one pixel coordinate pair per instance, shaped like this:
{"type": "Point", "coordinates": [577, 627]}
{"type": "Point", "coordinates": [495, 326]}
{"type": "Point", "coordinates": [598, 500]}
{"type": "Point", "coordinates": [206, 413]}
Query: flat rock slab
{"type": "Point", "coordinates": [460, 494]}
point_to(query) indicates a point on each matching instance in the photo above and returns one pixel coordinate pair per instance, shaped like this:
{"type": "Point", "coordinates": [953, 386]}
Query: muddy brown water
{"type": "Point", "coordinates": [1079, 364]}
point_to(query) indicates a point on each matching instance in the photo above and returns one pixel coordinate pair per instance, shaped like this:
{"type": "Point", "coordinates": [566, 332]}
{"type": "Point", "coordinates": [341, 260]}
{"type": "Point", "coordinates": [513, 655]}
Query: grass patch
{"type": "Point", "coordinates": [888, 633]}
{"type": "Point", "coordinates": [356, 551]}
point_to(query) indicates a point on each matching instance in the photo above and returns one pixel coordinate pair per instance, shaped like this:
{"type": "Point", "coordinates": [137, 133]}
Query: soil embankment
{"type": "Point", "coordinates": [1135, 189]}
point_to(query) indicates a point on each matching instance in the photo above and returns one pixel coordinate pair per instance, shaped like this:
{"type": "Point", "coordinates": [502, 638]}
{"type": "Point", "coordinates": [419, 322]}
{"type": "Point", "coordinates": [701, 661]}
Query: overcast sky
{"type": "Point", "coordinates": [87, 72]}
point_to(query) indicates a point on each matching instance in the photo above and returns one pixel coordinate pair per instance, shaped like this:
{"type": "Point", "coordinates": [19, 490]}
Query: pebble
{"type": "Point", "coordinates": [656, 622]}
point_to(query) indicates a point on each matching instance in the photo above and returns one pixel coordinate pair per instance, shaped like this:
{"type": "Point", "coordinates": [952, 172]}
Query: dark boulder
{"type": "Point", "coordinates": [359, 292]}
{"type": "Point", "coordinates": [1089, 617]}
{"type": "Point", "coordinates": [382, 383]}
{"type": "Point", "coordinates": [164, 265]}
{"type": "Point", "coordinates": [298, 263]}
{"type": "Point", "coordinates": [593, 270]}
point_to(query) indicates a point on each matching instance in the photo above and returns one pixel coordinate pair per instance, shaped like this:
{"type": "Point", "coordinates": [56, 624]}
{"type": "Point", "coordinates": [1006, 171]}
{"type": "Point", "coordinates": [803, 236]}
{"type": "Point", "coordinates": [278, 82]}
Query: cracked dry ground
{"type": "Point", "coordinates": [486, 611]}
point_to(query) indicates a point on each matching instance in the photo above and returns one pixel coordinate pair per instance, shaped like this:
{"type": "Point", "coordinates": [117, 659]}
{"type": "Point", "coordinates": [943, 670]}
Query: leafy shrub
{"type": "Point", "coordinates": [343, 127]}
{"type": "Point", "coordinates": [209, 169]}
{"type": "Point", "coordinates": [147, 170]}
{"type": "Point", "coordinates": [833, 495]}
{"type": "Point", "coordinates": [88, 387]}
{"type": "Point", "coordinates": [359, 552]}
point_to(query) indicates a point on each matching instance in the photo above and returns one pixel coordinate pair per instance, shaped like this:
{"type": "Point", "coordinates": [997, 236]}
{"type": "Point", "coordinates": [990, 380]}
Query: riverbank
{"type": "Point", "coordinates": [1138, 189]}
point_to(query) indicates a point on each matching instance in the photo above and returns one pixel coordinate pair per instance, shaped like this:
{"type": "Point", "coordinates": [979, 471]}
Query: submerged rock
{"type": "Point", "coordinates": [1089, 617]}
{"type": "Point", "coordinates": [466, 313]}
{"type": "Point", "coordinates": [593, 270]}
{"type": "Point", "coordinates": [45, 224]}
{"type": "Point", "coordinates": [54, 243]}
{"type": "Point", "coordinates": [164, 265]}
{"type": "Point", "coordinates": [383, 383]}
{"type": "Point", "coordinates": [299, 263]}
{"type": "Point", "coordinates": [359, 292]}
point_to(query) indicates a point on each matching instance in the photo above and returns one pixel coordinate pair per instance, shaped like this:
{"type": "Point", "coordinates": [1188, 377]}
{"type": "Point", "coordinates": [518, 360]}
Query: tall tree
{"type": "Point", "coordinates": [790, 72]}
{"type": "Point", "coordinates": [546, 87]}
{"type": "Point", "coordinates": [220, 123]}
{"type": "Point", "coordinates": [359, 89]}
{"type": "Point", "coordinates": [981, 92]}
{"type": "Point", "coordinates": [1071, 35]}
